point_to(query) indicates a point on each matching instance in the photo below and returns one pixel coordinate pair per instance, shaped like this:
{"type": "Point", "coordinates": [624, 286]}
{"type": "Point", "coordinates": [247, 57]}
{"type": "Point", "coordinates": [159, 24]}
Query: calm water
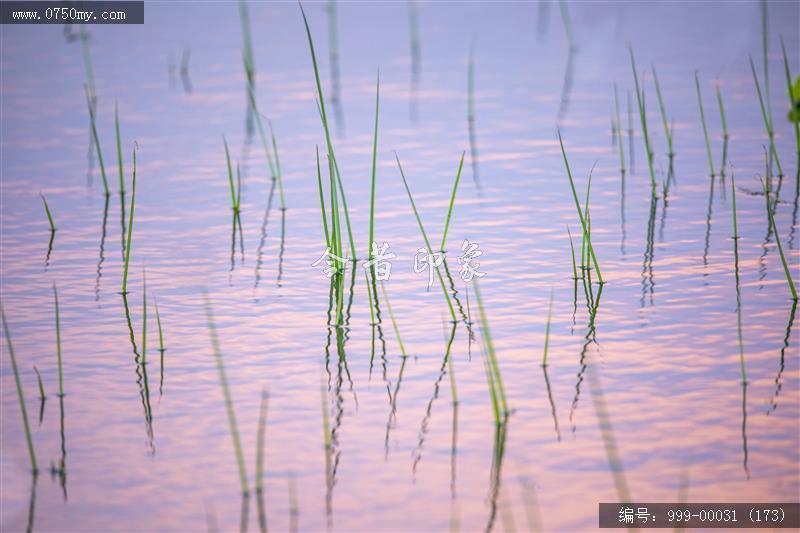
{"type": "Point", "coordinates": [646, 399]}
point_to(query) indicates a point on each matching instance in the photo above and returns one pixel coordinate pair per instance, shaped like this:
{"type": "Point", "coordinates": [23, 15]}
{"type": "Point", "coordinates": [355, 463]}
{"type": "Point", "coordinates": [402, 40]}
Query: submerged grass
{"type": "Point", "coordinates": [49, 214]}
{"type": "Point", "coordinates": [20, 394]}
{"type": "Point", "coordinates": [452, 202]}
{"type": "Point", "coordinates": [547, 329]}
{"type": "Point", "coordinates": [703, 121]}
{"type": "Point", "coordinates": [738, 292]}
{"type": "Point", "coordinates": [493, 377]}
{"type": "Point", "coordinates": [129, 238]}
{"type": "Point", "coordinates": [223, 381]}
{"type": "Point", "coordinates": [427, 241]}
{"type": "Point", "coordinates": [262, 424]}
{"type": "Point", "coordinates": [90, 105]}
{"type": "Point", "coordinates": [584, 225]}
{"type": "Point", "coordinates": [665, 122]}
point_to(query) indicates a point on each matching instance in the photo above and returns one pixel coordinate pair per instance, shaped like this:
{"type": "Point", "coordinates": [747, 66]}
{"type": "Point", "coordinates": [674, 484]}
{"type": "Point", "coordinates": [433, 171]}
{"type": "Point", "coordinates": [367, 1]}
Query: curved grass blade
{"type": "Point", "coordinates": [20, 394]}
{"type": "Point", "coordinates": [425, 236]}
{"type": "Point", "coordinates": [495, 381]}
{"type": "Point", "coordinates": [89, 104]}
{"type": "Point", "coordinates": [452, 201]}
{"type": "Point", "coordinates": [703, 121]}
{"type": "Point", "coordinates": [49, 214]}
{"type": "Point", "coordinates": [667, 132]}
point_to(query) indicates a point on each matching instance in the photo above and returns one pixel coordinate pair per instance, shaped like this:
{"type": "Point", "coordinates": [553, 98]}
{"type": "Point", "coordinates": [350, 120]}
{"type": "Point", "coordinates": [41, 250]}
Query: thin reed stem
{"type": "Point", "coordinates": [703, 121]}
{"type": "Point", "coordinates": [665, 122]}
{"type": "Point", "coordinates": [643, 117]}
{"type": "Point", "coordinates": [427, 241]}
{"type": "Point", "coordinates": [452, 201]}
{"type": "Point", "coordinates": [496, 381]}
{"type": "Point", "coordinates": [92, 121]}
{"type": "Point", "coordinates": [374, 168]}
{"type": "Point", "coordinates": [129, 239]}
{"type": "Point", "coordinates": [58, 342]}
{"type": "Point", "coordinates": [20, 394]}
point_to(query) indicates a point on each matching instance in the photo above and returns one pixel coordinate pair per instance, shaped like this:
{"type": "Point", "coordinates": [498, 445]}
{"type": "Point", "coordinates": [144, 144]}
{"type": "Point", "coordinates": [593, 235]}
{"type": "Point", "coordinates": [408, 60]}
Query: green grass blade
{"type": "Point", "coordinates": [322, 203]}
{"type": "Point", "coordinates": [251, 94]}
{"type": "Point", "coordinates": [346, 212]}
{"type": "Point", "coordinates": [721, 113]}
{"type": "Point", "coordinates": [793, 98]}
{"type": "Point", "coordinates": [425, 236]}
{"type": "Point", "coordinates": [766, 117]}
{"type": "Point", "coordinates": [96, 140]}
{"type": "Point", "coordinates": [58, 341]}
{"type": "Point", "coordinates": [667, 133]}
{"type": "Point", "coordinates": [703, 120]}
{"type": "Point", "coordinates": [643, 118]}
{"type": "Point", "coordinates": [492, 359]}
{"type": "Point", "coordinates": [321, 98]}
{"type": "Point", "coordinates": [277, 164]}
{"type": "Point", "coordinates": [780, 247]}
{"type": "Point", "coordinates": [20, 394]}
{"type": "Point", "coordinates": [580, 213]}
{"type": "Point", "coordinates": [234, 204]}
{"type": "Point", "coordinates": [452, 201]}
{"type": "Point", "coordinates": [374, 168]}
{"type": "Point", "coordinates": [394, 322]}
{"type": "Point", "coordinates": [160, 331]}
{"type": "Point", "coordinates": [87, 64]}
{"type": "Point", "coordinates": [572, 249]}
{"type": "Point", "coordinates": [223, 381]}
{"type": "Point", "coordinates": [49, 214]}
{"type": "Point", "coordinates": [129, 239]}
